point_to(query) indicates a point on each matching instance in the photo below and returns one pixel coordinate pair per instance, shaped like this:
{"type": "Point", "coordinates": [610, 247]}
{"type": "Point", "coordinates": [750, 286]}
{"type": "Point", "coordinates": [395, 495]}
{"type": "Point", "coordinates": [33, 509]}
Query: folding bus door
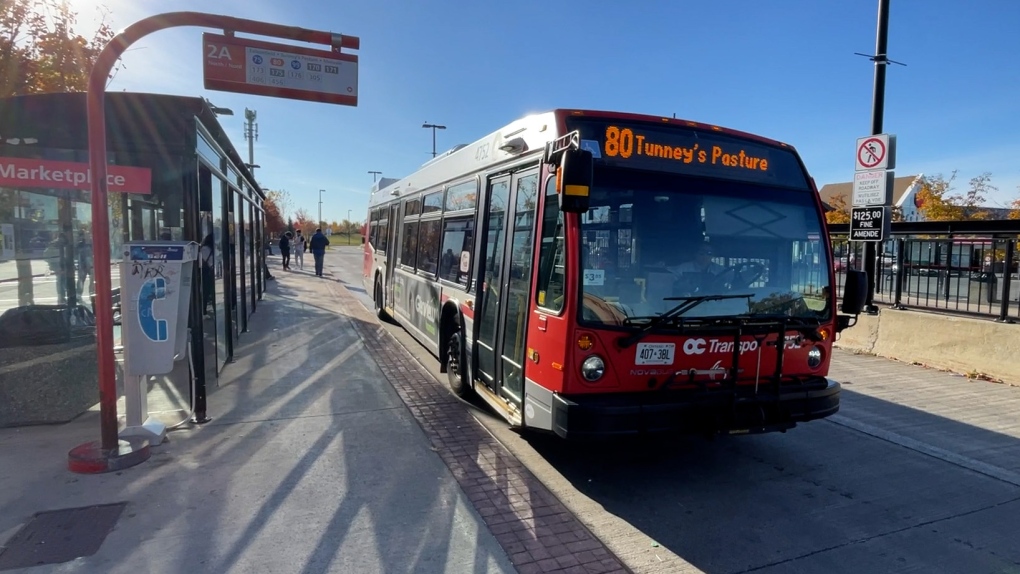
{"type": "Point", "coordinates": [506, 282]}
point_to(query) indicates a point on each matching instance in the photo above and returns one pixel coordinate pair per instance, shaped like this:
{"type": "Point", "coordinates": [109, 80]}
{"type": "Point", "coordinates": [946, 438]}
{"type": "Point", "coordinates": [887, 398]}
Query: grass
{"type": "Point", "coordinates": [341, 239]}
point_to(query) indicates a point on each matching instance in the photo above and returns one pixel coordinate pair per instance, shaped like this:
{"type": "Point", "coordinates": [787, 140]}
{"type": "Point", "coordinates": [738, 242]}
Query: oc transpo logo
{"type": "Point", "coordinates": [701, 346]}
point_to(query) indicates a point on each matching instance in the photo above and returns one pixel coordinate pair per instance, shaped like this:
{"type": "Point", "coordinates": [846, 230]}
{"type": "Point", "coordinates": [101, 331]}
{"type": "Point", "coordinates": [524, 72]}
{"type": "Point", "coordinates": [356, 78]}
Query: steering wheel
{"type": "Point", "coordinates": [747, 271]}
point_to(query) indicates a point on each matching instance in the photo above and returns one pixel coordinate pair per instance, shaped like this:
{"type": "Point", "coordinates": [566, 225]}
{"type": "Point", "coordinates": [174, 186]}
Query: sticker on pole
{"type": "Point", "coordinates": [876, 152]}
{"type": "Point", "coordinates": [233, 64]}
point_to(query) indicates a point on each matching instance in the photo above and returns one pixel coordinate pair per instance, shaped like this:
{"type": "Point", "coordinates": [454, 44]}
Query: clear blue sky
{"type": "Point", "coordinates": [784, 69]}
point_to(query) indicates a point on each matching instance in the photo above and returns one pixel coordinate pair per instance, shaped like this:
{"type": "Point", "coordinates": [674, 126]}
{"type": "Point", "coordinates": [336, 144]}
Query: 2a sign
{"type": "Point", "coordinates": [234, 64]}
{"type": "Point", "coordinates": [869, 223]}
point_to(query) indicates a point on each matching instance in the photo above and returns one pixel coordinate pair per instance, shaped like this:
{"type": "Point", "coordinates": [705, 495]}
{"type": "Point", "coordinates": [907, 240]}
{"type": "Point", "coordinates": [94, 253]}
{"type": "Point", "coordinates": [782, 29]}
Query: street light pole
{"type": "Point", "coordinates": [881, 60]}
{"type": "Point", "coordinates": [434, 128]}
{"type": "Point", "coordinates": [320, 207]}
{"type": "Point", "coordinates": [349, 223]}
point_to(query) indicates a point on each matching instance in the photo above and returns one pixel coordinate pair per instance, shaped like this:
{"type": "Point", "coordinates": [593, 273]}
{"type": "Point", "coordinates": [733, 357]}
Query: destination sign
{"type": "Point", "coordinates": [681, 149]}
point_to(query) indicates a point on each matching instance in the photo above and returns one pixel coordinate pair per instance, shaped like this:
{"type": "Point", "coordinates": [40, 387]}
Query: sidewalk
{"type": "Point", "coordinates": [311, 464]}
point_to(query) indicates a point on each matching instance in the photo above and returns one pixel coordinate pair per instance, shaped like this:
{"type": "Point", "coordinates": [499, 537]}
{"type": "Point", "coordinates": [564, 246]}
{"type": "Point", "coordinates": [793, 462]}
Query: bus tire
{"type": "Point", "coordinates": [380, 310]}
{"type": "Point", "coordinates": [454, 369]}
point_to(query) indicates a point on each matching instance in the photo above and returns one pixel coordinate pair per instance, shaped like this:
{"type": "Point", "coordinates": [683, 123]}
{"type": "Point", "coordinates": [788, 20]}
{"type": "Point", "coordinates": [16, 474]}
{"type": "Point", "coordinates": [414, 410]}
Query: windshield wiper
{"type": "Point", "coordinates": [687, 303]}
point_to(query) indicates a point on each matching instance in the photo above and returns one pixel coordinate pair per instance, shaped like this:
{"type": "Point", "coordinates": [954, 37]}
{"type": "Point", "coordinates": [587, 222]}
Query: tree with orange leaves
{"type": "Point", "coordinates": [41, 50]}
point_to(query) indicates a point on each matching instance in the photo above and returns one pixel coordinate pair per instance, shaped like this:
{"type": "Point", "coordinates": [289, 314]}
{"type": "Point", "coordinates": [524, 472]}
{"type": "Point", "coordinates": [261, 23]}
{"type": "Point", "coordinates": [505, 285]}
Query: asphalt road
{"type": "Point", "coordinates": [839, 495]}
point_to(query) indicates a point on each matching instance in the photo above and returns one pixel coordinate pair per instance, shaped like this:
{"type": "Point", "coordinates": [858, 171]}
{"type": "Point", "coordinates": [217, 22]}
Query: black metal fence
{"type": "Point", "coordinates": [966, 267]}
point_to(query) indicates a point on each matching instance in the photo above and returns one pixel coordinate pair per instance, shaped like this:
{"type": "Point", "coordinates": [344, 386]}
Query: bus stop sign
{"type": "Point", "coordinates": [233, 64]}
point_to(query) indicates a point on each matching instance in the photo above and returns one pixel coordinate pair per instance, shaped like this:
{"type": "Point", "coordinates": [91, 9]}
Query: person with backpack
{"type": "Point", "coordinates": [318, 245]}
{"type": "Point", "coordinates": [285, 250]}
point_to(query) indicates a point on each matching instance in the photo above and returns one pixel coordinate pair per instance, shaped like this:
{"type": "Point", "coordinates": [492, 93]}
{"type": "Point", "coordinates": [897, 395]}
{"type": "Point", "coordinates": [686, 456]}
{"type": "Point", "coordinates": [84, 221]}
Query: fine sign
{"type": "Point", "coordinates": [233, 64]}
{"type": "Point", "coordinates": [876, 152]}
{"type": "Point", "coordinates": [869, 223]}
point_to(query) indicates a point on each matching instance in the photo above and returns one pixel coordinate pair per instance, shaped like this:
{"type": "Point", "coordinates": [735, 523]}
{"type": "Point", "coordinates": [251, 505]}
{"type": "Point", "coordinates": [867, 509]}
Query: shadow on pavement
{"type": "Point", "coordinates": [822, 497]}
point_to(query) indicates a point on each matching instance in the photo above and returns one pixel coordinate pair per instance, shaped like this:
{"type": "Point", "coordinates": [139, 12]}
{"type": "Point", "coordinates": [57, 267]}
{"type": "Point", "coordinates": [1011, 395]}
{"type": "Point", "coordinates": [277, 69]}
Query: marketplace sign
{"type": "Point", "coordinates": [47, 174]}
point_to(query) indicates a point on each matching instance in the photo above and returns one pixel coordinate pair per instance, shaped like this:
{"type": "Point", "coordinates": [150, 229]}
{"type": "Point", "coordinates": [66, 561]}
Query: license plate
{"type": "Point", "coordinates": [654, 354]}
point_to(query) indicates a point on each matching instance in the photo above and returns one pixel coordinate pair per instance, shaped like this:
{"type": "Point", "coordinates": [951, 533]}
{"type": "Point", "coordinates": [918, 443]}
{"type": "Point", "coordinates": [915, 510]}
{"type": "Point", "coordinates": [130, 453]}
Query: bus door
{"type": "Point", "coordinates": [392, 250]}
{"type": "Point", "coordinates": [506, 282]}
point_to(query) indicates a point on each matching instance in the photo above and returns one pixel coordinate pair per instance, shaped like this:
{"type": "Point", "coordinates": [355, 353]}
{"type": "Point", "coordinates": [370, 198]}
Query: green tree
{"type": "Point", "coordinates": [41, 49]}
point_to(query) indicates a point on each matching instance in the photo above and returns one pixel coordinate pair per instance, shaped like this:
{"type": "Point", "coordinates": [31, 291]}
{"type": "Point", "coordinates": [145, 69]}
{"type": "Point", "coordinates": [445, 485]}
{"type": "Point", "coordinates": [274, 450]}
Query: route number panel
{"type": "Point", "coordinates": [232, 64]}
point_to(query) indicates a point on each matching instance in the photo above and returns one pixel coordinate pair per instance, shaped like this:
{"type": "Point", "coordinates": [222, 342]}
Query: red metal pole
{"type": "Point", "coordinates": [97, 163]}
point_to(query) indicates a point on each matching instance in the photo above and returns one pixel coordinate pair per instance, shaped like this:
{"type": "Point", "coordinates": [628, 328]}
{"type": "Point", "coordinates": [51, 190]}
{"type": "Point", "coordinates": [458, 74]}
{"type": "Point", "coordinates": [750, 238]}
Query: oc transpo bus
{"type": "Point", "coordinates": [600, 274]}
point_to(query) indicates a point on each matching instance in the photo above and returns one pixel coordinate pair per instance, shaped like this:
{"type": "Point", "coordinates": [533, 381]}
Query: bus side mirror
{"type": "Point", "coordinates": [855, 291]}
{"type": "Point", "coordinates": [574, 179]}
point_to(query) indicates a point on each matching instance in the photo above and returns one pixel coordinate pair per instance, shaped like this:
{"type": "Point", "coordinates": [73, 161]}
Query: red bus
{"type": "Point", "coordinates": [599, 274]}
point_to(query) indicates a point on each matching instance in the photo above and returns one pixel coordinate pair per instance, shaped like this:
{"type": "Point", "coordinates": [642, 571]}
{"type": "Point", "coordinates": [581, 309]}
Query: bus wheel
{"type": "Point", "coordinates": [454, 374]}
{"type": "Point", "coordinates": [380, 311]}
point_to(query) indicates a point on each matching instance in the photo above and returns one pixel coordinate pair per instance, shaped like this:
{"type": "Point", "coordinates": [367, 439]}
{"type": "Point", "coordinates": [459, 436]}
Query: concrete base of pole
{"type": "Point", "coordinates": [92, 458]}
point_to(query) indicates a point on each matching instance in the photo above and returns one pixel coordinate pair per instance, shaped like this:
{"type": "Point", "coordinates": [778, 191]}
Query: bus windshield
{"type": "Point", "coordinates": [650, 237]}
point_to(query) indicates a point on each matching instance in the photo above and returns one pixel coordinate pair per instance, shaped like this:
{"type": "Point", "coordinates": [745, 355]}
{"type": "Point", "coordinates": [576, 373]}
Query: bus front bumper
{"type": "Point", "coordinates": [601, 416]}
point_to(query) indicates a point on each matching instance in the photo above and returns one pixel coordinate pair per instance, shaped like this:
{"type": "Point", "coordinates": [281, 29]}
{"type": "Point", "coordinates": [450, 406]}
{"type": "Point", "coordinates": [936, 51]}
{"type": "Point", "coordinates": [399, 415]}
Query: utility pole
{"type": "Point", "coordinates": [320, 207]}
{"type": "Point", "coordinates": [877, 111]}
{"type": "Point", "coordinates": [434, 128]}
{"type": "Point", "coordinates": [375, 174]}
{"type": "Point", "coordinates": [251, 133]}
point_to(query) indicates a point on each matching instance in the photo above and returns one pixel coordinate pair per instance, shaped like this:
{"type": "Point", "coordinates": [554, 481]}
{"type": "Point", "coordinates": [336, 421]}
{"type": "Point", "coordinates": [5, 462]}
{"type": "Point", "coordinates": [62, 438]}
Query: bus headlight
{"type": "Point", "coordinates": [593, 368]}
{"type": "Point", "coordinates": [814, 357]}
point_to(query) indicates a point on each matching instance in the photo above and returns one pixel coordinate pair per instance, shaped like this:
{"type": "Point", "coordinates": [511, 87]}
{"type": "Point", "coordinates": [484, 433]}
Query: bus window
{"type": "Point", "coordinates": [410, 247]}
{"type": "Point", "coordinates": [462, 196]}
{"type": "Point", "coordinates": [433, 203]}
{"type": "Point", "coordinates": [384, 233]}
{"type": "Point", "coordinates": [428, 246]}
{"type": "Point", "coordinates": [549, 290]}
{"type": "Point", "coordinates": [458, 242]}
{"type": "Point", "coordinates": [412, 207]}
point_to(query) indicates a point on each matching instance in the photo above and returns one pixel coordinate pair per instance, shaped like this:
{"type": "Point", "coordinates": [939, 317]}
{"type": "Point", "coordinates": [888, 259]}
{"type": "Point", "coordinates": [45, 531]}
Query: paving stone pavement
{"type": "Point", "coordinates": [538, 532]}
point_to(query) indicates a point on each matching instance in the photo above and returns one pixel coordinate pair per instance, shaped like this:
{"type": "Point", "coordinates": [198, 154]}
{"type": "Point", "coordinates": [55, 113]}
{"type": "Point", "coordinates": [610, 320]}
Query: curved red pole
{"type": "Point", "coordinates": [97, 163]}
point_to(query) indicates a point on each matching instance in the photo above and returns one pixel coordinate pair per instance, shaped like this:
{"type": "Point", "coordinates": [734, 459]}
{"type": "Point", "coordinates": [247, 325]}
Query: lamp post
{"type": "Point", "coordinates": [375, 174]}
{"type": "Point", "coordinates": [434, 127]}
{"type": "Point", "coordinates": [320, 207]}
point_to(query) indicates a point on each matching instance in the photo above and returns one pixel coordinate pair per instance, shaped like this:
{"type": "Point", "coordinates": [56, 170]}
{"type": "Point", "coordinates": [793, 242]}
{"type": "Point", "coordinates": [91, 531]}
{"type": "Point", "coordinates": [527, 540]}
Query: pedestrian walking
{"type": "Point", "coordinates": [207, 253]}
{"type": "Point", "coordinates": [83, 251]}
{"type": "Point", "coordinates": [298, 247]}
{"type": "Point", "coordinates": [285, 250]}
{"type": "Point", "coordinates": [318, 245]}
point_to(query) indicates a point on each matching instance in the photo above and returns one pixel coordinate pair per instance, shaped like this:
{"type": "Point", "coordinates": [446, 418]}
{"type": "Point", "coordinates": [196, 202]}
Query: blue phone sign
{"type": "Point", "coordinates": [154, 329]}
